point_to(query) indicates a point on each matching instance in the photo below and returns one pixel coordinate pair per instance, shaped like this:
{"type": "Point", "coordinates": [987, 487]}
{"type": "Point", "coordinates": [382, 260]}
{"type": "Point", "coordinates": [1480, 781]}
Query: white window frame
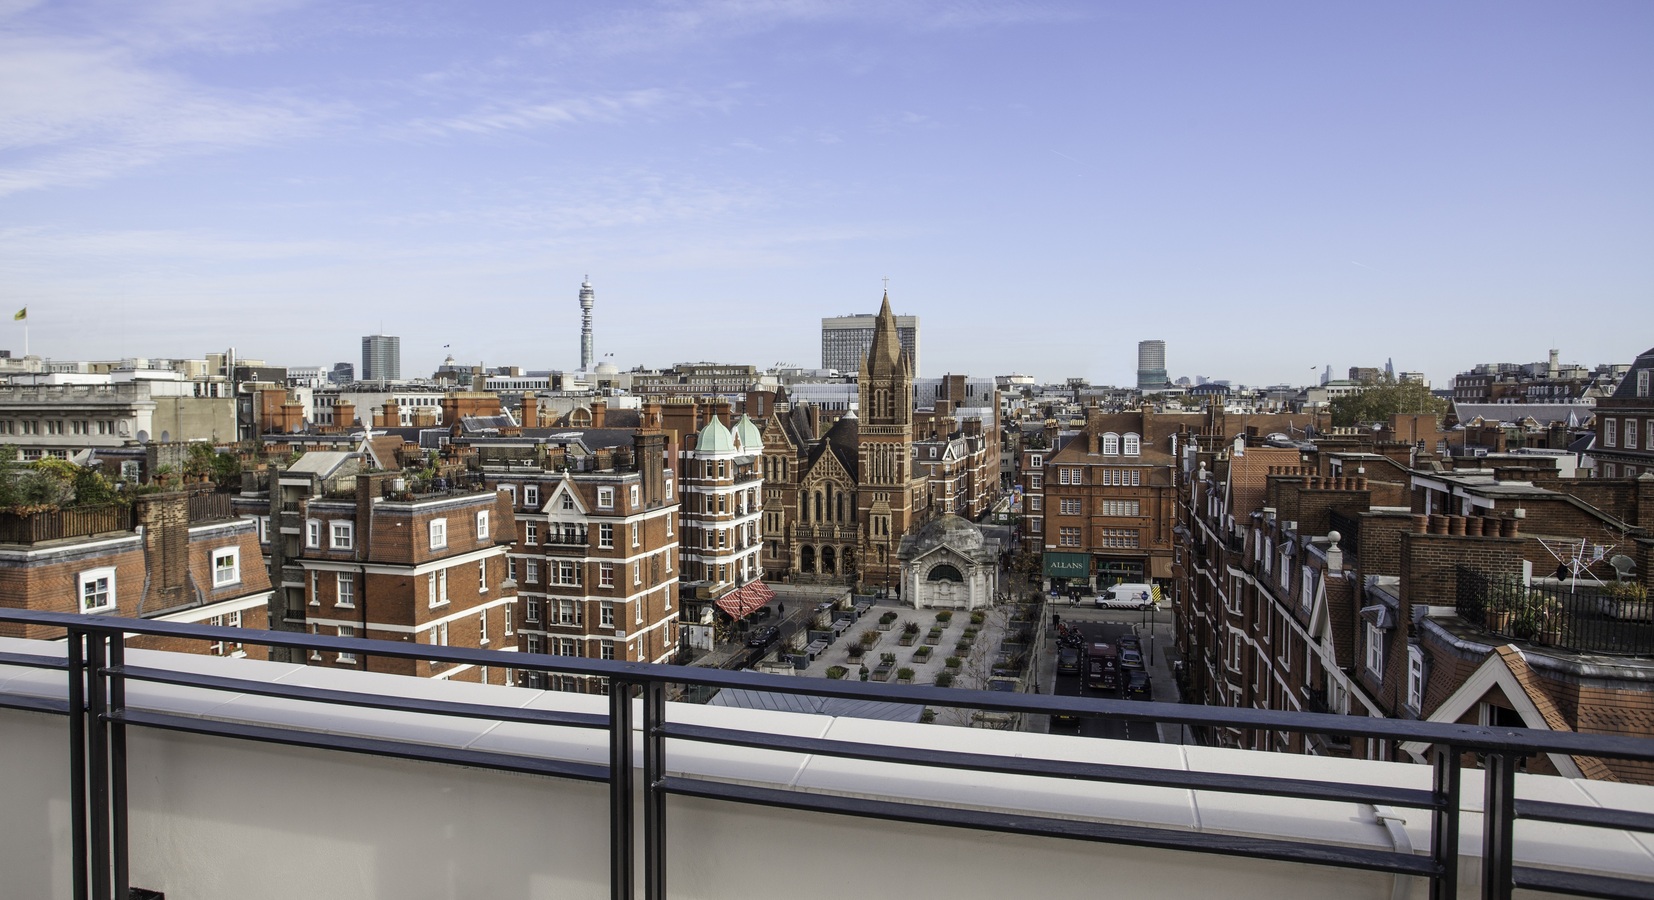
{"type": "Point", "coordinates": [313, 533]}
{"type": "Point", "coordinates": [341, 535]}
{"type": "Point", "coordinates": [531, 571]}
{"type": "Point", "coordinates": [1631, 434]}
{"type": "Point", "coordinates": [605, 535]}
{"type": "Point", "coordinates": [482, 627]}
{"type": "Point", "coordinates": [1111, 444]}
{"type": "Point", "coordinates": [438, 529]}
{"type": "Point", "coordinates": [346, 631]}
{"type": "Point", "coordinates": [636, 497]}
{"type": "Point", "coordinates": [605, 575]}
{"type": "Point", "coordinates": [225, 576]}
{"type": "Point", "coordinates": [344, 590]}
{"type": "Point", "coordinates": [482, 525]}
{"type": "Point", "coordinates": [1373, 655]}
{"type": "Point", "coordinates": [1610, 432]}
{"type": "Point", "coordinates": [531, 495]}
{"type": "Point", "coordinates": [606, 614]}
{"type": "Point", "coordinates": [605, 498]}
{"type": "Point", "coordinates": [482, 576]}
{"type": "Point", "coordinates": [1415, 678]}
{"type": "Point", "coordinates": [1133, 445]}
{"type": "Point", "coordinates": [531, 533]}
{"type": "Point", "coordinates": [91, 578]}
{"type": "Point", "coordinates": [634, 534]}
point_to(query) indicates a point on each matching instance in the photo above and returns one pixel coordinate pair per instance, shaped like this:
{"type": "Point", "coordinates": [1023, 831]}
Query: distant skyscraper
{"type": "Point", "coordinates": [381, 358]}
{"type": "Point", "coordinates": [846, 339]}
{"type": "Point", "coordinates": [587, 299]}
{"type": "Point", "coordinates": [1151, 366]}
{"type": "Point", "coordinates": [343, 373]}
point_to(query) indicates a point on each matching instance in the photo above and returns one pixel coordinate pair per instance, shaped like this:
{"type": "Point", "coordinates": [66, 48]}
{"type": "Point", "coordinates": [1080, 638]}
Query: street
{"type": "Point", "coordinates": [1107, 626]}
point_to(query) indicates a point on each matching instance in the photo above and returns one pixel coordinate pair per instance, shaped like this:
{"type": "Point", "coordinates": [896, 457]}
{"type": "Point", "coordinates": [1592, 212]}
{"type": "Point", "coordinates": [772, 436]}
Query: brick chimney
{"type": "Point", "coordinates": [344, 414]}
{"type": "Point", "coordinates": [650, 455]}
{"type": "Point", "coordinates": [393, 414]}
{"type": "Point", "coordinates": [165, 520]}
{"type": "Point", "coordinates": [600, 413]}
{"type": "Point", "coordinates": [530, 411]}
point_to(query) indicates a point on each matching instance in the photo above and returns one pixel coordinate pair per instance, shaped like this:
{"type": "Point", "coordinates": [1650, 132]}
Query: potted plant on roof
{"type": "Point", "coordinates": [1548, 625]}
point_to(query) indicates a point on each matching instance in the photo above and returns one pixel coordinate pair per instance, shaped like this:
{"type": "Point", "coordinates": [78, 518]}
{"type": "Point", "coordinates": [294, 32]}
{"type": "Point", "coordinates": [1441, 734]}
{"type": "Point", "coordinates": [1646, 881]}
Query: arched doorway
{"type": "Point", "coordinates": [827, 560]}
{"type": "Point", "coordinates": [807, 560]}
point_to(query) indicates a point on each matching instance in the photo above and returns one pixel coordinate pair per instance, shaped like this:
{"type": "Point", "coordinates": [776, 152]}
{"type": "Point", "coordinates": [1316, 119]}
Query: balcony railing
{"type": "Point", "coordinates": [97, 679]}
{"type": "Point", "coordinates": [54, 524]}
{"type": "Point", "coordinates": [1609, 618]}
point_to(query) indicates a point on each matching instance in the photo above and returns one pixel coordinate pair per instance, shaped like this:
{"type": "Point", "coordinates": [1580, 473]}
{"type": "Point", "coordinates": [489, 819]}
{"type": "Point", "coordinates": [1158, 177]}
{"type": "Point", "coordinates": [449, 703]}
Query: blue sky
{"type": "Point", "coordinates": [1268, 187]}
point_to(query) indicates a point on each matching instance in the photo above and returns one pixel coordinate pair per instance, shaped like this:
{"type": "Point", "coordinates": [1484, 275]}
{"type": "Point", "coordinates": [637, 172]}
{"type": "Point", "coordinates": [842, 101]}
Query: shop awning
{"type": "Point", "coordinates": [743, 600]}
{"type": "Point", "coordinates": [1160, 567]}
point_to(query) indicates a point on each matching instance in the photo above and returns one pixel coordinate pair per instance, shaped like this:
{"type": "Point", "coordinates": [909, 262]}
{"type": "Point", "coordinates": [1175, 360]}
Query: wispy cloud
{"type": "Point", "coordinates": [531, 114]}
{"type": "Point", "coordinates": [77, 110]}
{"type": "Point", "coordinates": [674, 23]}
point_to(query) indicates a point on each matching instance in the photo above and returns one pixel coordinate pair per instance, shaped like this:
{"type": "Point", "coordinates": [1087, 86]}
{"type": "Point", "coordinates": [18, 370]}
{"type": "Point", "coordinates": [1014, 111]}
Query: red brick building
{"type": "Point", "coordinates": [179, 557]}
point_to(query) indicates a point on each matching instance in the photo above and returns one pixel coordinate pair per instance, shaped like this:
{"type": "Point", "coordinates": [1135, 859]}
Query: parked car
{"type": "Point", "coordinates": [764, 637]}
{"type": "Point", "coordinates": [1126, 596]}
{"type": "Point", "coordinates": [1131, 659]}
{"type": "Point", "coordinates": [1137, 685]}
{"type": "Point", "coordinates": [1068, 660]}
{"type": "Point", "coordinates": [1129, 642]}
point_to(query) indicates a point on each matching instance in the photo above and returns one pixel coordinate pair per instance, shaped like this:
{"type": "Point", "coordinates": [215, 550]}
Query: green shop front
{"type": "Point", "coordinates": [1065, 570]}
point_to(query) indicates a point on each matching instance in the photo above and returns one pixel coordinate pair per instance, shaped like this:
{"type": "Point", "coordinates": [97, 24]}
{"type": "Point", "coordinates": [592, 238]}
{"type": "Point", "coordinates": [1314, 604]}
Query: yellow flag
{"type": "Point", "coordinates": [22, 313]}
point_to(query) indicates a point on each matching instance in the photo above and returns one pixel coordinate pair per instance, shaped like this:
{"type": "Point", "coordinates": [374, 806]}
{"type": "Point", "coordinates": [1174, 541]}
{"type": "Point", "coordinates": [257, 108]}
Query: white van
{"type": "Point", "coordinates": [1126, 596]}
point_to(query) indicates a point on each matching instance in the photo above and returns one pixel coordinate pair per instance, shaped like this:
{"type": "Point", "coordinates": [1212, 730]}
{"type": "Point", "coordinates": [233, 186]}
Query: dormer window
{"type": "Point", "coordinates": [1111, 445]}
{"type": "Point", "coordinates": [1133, 445]}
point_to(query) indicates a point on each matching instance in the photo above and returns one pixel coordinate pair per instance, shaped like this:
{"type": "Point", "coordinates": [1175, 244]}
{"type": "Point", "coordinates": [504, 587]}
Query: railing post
{"type": "Point", "coordinates": [1498, 824]}
{"type": "Point", "coordinates": [654, 795]}
{"type": "Point", "coordinates": [98, 751]}
{"type": "Point", "coordinates": [78, 809]}
{"type": "Point", "coordinates": [620, 789]}
{"type": "Point", "coordinates": [1444, 821]}
{"type": "Point", "coordinates": [117, 767]}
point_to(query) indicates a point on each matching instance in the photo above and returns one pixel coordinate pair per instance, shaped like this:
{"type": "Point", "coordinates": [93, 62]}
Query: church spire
{"type": "Point", "coordinates": [886, 350]}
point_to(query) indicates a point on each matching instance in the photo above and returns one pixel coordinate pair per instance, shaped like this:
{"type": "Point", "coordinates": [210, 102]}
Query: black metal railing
{"type": "Point", "coordinates": [1596, 619]}
{"type": "Point", "coordinates": [97, 677]}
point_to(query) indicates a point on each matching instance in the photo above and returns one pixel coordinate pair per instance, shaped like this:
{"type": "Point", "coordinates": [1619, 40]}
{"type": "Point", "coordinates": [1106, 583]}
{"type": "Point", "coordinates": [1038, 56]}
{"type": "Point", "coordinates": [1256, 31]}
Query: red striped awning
{"type": "Point", "coordinates": [740, 602]}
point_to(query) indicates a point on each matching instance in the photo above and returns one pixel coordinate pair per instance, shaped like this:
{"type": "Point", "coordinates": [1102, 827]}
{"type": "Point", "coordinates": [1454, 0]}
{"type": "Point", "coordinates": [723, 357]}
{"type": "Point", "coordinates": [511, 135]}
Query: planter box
{"type": "Point", "coordinates": [1627, 610]}
{"type": "Point", "coordinates": [932, 640]}
{"type": "Point", "coordinates": [906, 640]}
{"type": "Point", "coordinates": [923, 654]}
{"type": "Point", "coordinates": [881, 674]}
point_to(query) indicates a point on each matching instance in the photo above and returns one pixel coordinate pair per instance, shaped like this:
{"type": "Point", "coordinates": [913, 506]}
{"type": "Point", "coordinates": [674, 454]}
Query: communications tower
{"type": "Point", "coordinates": [586, 300]}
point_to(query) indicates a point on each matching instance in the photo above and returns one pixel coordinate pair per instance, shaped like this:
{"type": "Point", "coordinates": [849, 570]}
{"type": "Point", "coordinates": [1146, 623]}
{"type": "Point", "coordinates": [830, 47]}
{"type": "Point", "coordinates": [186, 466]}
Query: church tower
{"type": "Point", "coordinates": [889, 497]}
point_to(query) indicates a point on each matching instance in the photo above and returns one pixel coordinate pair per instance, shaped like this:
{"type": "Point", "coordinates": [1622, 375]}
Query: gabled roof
{"type": "Point", "coordinates": [1628, 385]}
{"type": "Point", "coordinates": [1506, 671]}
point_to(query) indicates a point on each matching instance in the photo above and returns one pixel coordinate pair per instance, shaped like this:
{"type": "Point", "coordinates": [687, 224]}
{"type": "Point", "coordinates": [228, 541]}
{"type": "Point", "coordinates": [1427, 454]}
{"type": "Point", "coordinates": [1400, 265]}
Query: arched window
{"type": "Point", "coordinates": [1111, 444]}
{"type": "Point", "coordinates": [818, 506]}
{"type": "Point", "coordinates": [840, 510]}
{"type": "Point", "coordinates": [1134, 445]}
{"type": "Point", "coordinates": [944, 572]}
{"type": "Point", "coordinates": [807, 559]}
{"type": "Point", "coordinates": [827, 561]}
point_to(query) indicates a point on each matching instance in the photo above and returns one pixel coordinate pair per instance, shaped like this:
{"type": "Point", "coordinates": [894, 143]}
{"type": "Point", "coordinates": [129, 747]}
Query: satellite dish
{"type": "Point", "coordinates": [1622, 564]}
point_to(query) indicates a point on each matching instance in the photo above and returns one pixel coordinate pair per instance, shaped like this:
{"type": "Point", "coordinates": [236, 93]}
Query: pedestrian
{"type": "Point", "coordinates": [781, 610]}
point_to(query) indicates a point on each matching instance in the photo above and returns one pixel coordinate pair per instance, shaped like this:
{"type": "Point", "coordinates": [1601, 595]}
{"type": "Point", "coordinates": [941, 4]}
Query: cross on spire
{"type": "Point", "coordinates": [887, 284]}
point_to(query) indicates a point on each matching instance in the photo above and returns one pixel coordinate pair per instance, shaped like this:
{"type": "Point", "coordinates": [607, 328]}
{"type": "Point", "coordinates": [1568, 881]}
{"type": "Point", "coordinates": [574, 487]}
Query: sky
{"type": "Point", "coordinates": [1269, 187]}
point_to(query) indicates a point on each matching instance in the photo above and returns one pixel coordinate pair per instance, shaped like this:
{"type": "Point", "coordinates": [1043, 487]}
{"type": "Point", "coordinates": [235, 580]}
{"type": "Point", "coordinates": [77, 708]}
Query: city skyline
{"type": "Point", "coordinates": [1268, 189]}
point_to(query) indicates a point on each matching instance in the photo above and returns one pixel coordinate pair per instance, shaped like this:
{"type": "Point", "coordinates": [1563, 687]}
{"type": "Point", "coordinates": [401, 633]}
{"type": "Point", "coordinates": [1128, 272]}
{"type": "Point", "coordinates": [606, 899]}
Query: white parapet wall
{"type": "Point", "coordinates": [214, 817]}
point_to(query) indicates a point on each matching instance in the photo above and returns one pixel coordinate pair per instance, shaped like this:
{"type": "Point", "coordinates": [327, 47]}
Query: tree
{"type": "Point", "coordinates": [1385, 398]}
